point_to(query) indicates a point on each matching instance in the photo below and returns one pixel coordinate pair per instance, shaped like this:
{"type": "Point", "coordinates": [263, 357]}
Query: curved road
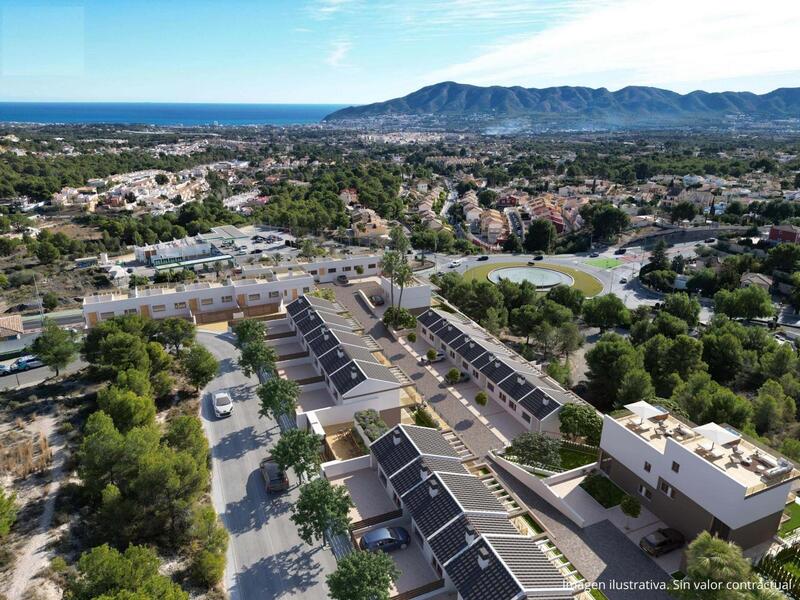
{"type": "Point", "coordinates": [266, 558]}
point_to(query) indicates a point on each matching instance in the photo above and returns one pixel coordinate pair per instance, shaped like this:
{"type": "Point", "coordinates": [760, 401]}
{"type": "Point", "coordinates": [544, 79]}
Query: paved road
{"type": "Point", "coordinates": [266, 558]}
{"type": "Point", "coordinates": [36, 376]}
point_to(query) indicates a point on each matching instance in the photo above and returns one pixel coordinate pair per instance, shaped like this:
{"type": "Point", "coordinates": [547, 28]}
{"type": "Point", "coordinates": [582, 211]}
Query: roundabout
{"type": "Point", "coordinates": [544, 275]}
{"type": "Point", "coordinates": [542, 278]}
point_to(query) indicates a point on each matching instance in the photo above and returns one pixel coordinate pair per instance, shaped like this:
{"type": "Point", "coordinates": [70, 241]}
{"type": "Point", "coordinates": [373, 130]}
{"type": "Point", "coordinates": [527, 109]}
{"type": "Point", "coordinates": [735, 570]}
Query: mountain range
{"type": "Point", "coordinates": [630, 105]}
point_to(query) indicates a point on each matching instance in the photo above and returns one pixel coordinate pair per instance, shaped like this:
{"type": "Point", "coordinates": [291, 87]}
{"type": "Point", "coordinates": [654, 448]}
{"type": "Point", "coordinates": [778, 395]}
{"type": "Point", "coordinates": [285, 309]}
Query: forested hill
{"type": "Point", "coordinates": [629, 104]}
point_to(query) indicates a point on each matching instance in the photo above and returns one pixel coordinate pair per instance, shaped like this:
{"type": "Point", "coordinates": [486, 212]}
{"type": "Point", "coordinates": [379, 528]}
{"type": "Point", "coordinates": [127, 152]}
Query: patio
{"type": "Point", "coordinates": [645, 524]}
{"type": "Point", "coordinates": [369, 496]}
{"type": "Point", "coordinates": [287, 349]}
{"type": "Point", "coordinates": [300, 373]}
{"type": "Point", "coordinates": [344, 442]}
{"type": "Point", "coordinates": [314, 400]}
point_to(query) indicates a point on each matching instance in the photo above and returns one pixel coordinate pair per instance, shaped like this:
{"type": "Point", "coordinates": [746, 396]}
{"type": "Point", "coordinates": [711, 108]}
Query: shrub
{"type": "Point", "coordinates": [560, 372]}
{"type": "Point", "coordinates": [430, 354]}
{"type": "Point", "coordinates": [399, 318]}
{"type": "Point", "coordinates": [360, 269]}
{"type": "Point", "coordinates": [208, 567]}
{"type": "Point", "coordinates": [424, 419]}
{"type": "Point", "coordinates": [481, 398]}
{"type": "Point", "coordinates": [536, 449]}
{"type": "Point", "coordinates": [452, 376]}
{"type": "Point", "coordinates": [412, 337]}
{"type": "Point", "coordinates": [371, 423]}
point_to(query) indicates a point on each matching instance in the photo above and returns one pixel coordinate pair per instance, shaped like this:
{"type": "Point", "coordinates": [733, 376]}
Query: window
{"type": "Point", "coordinates": [207, 301]}
{"type": "Point", "coordinates": [253, 296]}
{"type": "Point", "coordinates": [314, 272]}
{"type": "Point", "coordinates": [107, 315]}
{"type": "Point", "coordinates": [452, 354]}
{"type": "Point", "coordinates": [371, 266]}
{"type": "Point", "coordinates": [526, 417]}
{"type": "Point", "coordinates": [333, 270]}
{"type": "Point", "coordinates": [647, 466]}
{"type": "Point", "coordinates": [503, 396]}
{"type": "Point", "coordinates": [645, 493]}
{"type": "Point", "coordinates": [464, 364]}
{"type": "Point", "coordinates": [675, 467]}
{"type": "Point", "coordinates": [490, 386]}
{"type": "Point", "coordinates": [667, 489]}
{"type": "Point", "coordinates": [424, 331]}
{"type": "Point", "coordinates": [180, 305]}
{"type": "Point", "coordinates": [430, 336]}
{"type": "Point", "coordinates": [274, 294]}
{"type": "Point", "coordinates": [347, 268]}
{"type": "Point", "coordinates": [130, 311]}
{"type": "Point", "coordinates": [512, 406]}
{"type": "Point", "coordinates": [226, 299]}
{"type": "Point", "coordinates": [306, 290]}
{"type": "Point", "coordinates": [382, 477]}
{"type": "Point", "coordinates": [159, 308]}
{"type": "Point", "coordinates": [475, 372]}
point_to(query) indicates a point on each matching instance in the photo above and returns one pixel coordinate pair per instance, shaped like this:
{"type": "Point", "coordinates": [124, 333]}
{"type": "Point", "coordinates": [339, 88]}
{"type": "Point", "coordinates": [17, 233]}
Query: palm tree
{"type": "Point", "coordinates": [709, 558]}
{"type": "Point", "coordinates": [403, 276]}
{"type": "Point", "coordinates": [276, 259]}
{"type": "Point", "coordinates": [389, 264]}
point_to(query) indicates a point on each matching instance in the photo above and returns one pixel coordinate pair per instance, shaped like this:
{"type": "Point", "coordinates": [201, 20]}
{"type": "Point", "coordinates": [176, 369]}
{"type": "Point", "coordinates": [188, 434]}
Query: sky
{"type": "Point", "coordinates": [361, 51]}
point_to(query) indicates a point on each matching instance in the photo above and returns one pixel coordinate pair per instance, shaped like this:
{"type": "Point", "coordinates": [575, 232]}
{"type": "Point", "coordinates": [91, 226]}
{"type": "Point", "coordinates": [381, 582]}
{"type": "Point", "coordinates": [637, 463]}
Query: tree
{"type": "Point", "coordinates": [533, 448]}
{"type": "Point", "coordinates": [278, 397]}
{"type": "Point", "coordinates": [55, 347]}
{"type": "Point", "coordinates": [8, 512]}
{"type": "Point", "coordinates": [49, 301]}
{"type": "Point", "coordinates": [126, 408]}
{"type": "Point", "coordinates": [658, 257]}
{"type": "Point", "coordinates": [199, 366]}
{"type": "Point", "coordinates": [400, 241]}
{"type": "Point", "coordinates": [683, 307]}
{"type": "Point", "coordinates": [635, 385]}
{"type": "Point", "coordinates": [773, 410]}
{"type": "Point", "coordinates": [481, 398]}
{"type": "Point", "coordinates": [321, 509]}
{"type": "Point", "coordinates": [541, 236]}
{"type": "Point", "coordinates": [300, 450]}
{"type": "Point", "coordinates": [581, 420]}
{"type": "Point", "coordinates": [683, 211]}
{"type": "Point", "coordinates": [209, 541]}
{"type": "Point", "coordinates": [750, 302]}
{"type": "Point", "coordinates": [47, 253]}
{"type": "Point", "coordinates": [704, 400]}
{"type": "Point", "coordinates": [525, 319]}
{"type": "Point", "coordinates": [121, 351]}
{"type": "Point", "coordinates": [389, 264]}
{"type": "Point", "coordinates": [565, 295]}
{"type": "Point", "coordinates": [716, 570]}
{"type": "Point", "coordinates": [784, 257]}
{"type": "Point", "coordinates": [724, 354]}
{"type": "Point", "coordinates": [363, 576]}
{"type": "Point", "coordinates": [630, 507]}
{"type": "Point", "coordinates": [256, 357]}
{"type": "Point", "coordinates": [512, 244]}
{"type": "Point", "coordinates": [611, 358]}
{"type": "Point", "coordinates": [249, 330]}
{"type": "Point", "coordinates": [604, 220]}
{"type": "Point", "coordinates": [175, 332]}
{"type": "Point", "coordinates": [403, 275]}
{"type": "Point", "coordinates": [308, 249]}
{"type": "Point", "coordinates": [105, 573]}
{"type": "Point", "coordinates": [568, 339]}
{"type": "Point", "coordinates": [605, 312]}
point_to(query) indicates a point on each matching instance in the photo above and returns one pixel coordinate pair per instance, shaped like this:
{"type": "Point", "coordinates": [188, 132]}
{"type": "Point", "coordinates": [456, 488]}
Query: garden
{"type": "Point", "coordinates": [602, 489]}
{"type": "Point", "coordinates": [787, 527]}
{"type": "Point", "coordinates": [784, 569]}
{"type": "Point", "coordinates": [548, 454]}
{"type": "Point", "coordinates": [586, 283]}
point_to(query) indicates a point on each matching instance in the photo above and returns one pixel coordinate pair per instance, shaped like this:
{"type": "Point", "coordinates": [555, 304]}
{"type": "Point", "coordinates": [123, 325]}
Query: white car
{"type": "Point", "coordinates": [454, 264]}
{"type": "Point", "coordinates": [223, 405]}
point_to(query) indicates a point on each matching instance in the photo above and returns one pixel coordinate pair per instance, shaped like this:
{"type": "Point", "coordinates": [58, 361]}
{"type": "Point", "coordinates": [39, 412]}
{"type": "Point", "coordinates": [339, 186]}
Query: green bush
{"type": "Point", "coordinates": [412, 337]}
{"type": "Point", "coordinates": [481, 398]}
{"type": "Point", "coordinates": [371, 423]}
{"type": "Point", "coordinates": [399, 318]}
{"type": "Point", "coordinates": [424, 419]}
{"type": "Point", "coordinates": [452, 376]}
{"type": "Point", "coordinates": [208, 567]}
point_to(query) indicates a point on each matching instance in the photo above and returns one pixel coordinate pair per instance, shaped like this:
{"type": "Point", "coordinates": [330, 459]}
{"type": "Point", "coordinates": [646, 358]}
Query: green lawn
{"type": "Point", "coordinates": [604, 263]}
{"type": "Point", "coordinates": [533, 524]}
{"type": "Point", "coordinates": [588, 284]}
{"type": "Point", "coordinates": [793, 510]}
{"type": "Point", "coordinates": [572, 458]}
{"type": "Point", "coordinates": [597, 594]}
{"type": "Point", "coordinates": [602, 489]}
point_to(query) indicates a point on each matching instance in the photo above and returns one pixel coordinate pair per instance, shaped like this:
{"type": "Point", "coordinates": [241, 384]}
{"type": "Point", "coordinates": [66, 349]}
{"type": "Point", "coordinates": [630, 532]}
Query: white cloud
{"type": "Point", "coordinates": [679, 44]}
{"type": "Point", "coordinates": [338, 52]}
{"type": "Point", "coordinates": [325, 9]}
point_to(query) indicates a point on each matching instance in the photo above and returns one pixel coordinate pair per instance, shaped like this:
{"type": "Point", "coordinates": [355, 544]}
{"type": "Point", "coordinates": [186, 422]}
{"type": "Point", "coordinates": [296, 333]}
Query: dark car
{"type": "Point", "coordinates": [662, 541]}
{"type": "Point", "coordinates": [341, 279]}
{"type": "Point", "coordinates": [620, 251]}
{"type": "Point", "coordinates": [256, 251]}
{"type": "Point", "coordinates": [377, 300]}
{"type": "Point", "coordinates": [482, 258]}
{"type": "Point", "coordinates": [594, 254]}
{"type": "Point", "coordinates": [386, 539]}
{"type": "Point", "coordinates": [710, 241]}
{"type": "Point", "coordinates": [274, 479]}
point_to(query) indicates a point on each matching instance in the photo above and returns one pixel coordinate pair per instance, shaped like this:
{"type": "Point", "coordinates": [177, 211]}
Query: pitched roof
{"type": "Point", "coordinates": [471, 493]}
{"type": "Point", "coordinates": [493, 581]}
{"type": "Point", "coordinates": [341, 355]}
{"type": "Point", "coordinates": [452, 539]}
{"type": "Point", "coordinates": [431, 505]}
{"type": "Point", "coordinates": [403, 444]}
{"type": "Point", "coordinates": [526, 561]}
{"type": "Point", "coordinates": [496, 369]}
{"type": "Point", "coordinates": [421, 468]}
{"type": "Point", "coordinates": [348, 377]}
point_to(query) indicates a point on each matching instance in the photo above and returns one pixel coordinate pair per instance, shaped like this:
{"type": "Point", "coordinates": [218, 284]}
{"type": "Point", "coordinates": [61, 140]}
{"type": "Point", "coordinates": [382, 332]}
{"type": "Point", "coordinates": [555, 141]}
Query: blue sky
{"type": "Point", "coordinates": [358, 51]}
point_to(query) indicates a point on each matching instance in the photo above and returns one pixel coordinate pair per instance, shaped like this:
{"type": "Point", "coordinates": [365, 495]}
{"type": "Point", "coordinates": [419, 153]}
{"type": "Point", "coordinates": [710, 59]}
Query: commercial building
{"type": "Point", "coordinates": [509, 380]}
{"type": "Point", "coordinates": [463, 529]}
{"type": "Point", "coordinates": [707, 478]}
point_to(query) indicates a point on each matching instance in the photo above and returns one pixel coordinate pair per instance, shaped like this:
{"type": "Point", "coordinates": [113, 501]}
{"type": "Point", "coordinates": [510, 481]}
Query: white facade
{"type": "Point", "coordinates": [415, 294]}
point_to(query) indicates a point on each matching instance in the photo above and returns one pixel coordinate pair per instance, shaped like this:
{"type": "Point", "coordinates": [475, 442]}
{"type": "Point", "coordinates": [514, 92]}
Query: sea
{"type": "Point", "coordinates": [164, 114]}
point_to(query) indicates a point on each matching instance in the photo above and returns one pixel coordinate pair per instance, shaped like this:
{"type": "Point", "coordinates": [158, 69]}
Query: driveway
{"type": "Point", "coordinates": [477, 437]}
{"type": "Point", "coordinates": [266, 558]}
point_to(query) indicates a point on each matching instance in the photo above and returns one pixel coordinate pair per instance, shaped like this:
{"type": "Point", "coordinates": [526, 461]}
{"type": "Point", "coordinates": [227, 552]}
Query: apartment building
{"type": "Point", "coordinates": [463, 529]}
{"type": "Point", "coordinates": [706, 478]}
{"type": "Point", "coordinates": [523, 391]}
{"type": "Point", "coordinates": [342, 355]}
{"type": "Point", "coordinates": [203, 302]}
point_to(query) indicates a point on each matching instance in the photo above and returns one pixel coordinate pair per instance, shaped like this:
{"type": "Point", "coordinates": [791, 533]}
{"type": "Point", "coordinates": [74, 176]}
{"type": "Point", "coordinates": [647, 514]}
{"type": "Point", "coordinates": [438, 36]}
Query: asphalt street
{"type": "Point", "coordinates": [266, 558]}
{"type": "Point", "coordinates": [36, 376]}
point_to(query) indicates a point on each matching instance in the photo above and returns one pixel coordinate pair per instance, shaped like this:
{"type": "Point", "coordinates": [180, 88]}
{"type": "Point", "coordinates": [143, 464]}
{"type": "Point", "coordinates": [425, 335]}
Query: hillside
{"type": "Point", "coordinates": [630, 104]}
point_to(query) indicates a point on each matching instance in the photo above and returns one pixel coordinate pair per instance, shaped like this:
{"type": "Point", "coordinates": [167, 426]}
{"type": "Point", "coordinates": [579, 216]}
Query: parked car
{"type": "Point", "coordinates": [341, 279]}
{"type": "Point", "coordinates": [455, 263]}
{"type": "Point", "coordinates": [623, 280]}
{"type": "Point", "coordinates": [223, 405]}
{"type": "Point", "coordinates": [662, 541]}
{"type": "Point", "coordinates": [482, 258]}
{"type": "Point", "coordinates": [594, 254]}
{"type": "Point", "coordinates": [5, 370]}
{"type": "Point", "coordinates": [438, 358]}
{"type": "Point", "coordinates": [256, 251]}
{"type": "Point", "coordinates": [385, 539]}
{"type": "Point", "coordinates": [619, 251]}
{"type": "Point", "coordinates": [376, 300]}
{"type": "Point", "coordinates": [274, 479]}
{"type": "Point", "coordinates": [25, 363]}
{"type": "Point", "coordinates": [536, 258]}
{"type": "Point", "coordinates": [710, 240]}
